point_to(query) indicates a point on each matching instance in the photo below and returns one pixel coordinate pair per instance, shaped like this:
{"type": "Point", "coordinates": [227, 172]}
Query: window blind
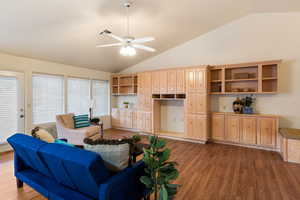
{"type": "Point", "coordinates": [8, 107]}
{"type": "Point", "coordinates": [100, 96]}
{"type": "Point", "coordinates": [48, 97]}
{"type": "Point", "coordinates": [78, 96]}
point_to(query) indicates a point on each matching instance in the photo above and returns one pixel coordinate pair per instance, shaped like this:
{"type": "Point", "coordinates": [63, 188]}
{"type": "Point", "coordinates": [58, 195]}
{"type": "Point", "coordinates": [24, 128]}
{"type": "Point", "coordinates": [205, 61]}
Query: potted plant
{"type": "Point", "coordinates": [159, 171]}
{"type": "Point", "coordinates": [247, 103]}
{"type": "Point", "coordinates": [126, 104]}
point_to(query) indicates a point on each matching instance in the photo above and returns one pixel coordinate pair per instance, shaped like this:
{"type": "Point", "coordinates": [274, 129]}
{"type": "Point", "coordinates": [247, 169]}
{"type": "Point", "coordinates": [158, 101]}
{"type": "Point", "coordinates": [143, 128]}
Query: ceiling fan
{"type": "Point", "coordinates": [128, 43]}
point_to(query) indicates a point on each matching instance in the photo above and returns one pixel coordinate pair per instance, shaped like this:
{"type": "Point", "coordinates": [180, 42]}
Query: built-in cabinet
{"type": "Point", "coordinates": [196, 103]}
{"type": "Point", "coordinates": [254, 130]}
{"type": "Point", "coordinates": [192, 86]}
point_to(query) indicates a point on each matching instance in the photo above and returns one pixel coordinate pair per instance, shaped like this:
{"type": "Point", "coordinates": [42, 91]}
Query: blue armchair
{"type": "Point", "coordinates": [61, 172]}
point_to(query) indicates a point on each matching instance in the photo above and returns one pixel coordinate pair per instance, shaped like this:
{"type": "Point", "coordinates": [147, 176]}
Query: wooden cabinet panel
{"type": "Point", "coordinates": [145, 91]}
{"type": "Point", "coordinates": [218, 126]}
{"type": "Point", "coordinates": [163, 82]}
{"type": "Point", "coordinates": [134, 120]}
{"type": "Point", "coordinates": [248, 130]}
{"type": "Point", "coordinates": [232, 125]}
{"type": "Point", "coordinates": [115, 117]}
{"type": "Point", "coordinates": [172, 81]}
{"type": "Point", "coordinates": [180, 81]}
{"type": "Point", "coordinates": [155, 82]}
{"type": "Point", "coordinates": [144, 121]}
{"type": "Point", "coordinates": [196, 127]}
{"type": "Point", "coordinates": [266, 134]}
{"type": "Point", "coordinates": [148, 122]}
{"type": "Point", "coordinates": [196, 80]}
{"type": "Point", "coordinates": [196, 103]}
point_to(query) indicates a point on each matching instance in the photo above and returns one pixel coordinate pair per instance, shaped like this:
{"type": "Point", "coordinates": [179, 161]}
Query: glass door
{"type": "Point", "coordinates": [12, 115]}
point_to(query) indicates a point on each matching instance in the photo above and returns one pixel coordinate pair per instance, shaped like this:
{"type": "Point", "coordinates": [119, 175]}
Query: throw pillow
{"type": "Point", "coordinates": [57, 141]}
{"type": "Point", "coordinates": [42, 135]}
{"type": "Point", "coordinates": [81, 121]}
{"type": "Point", "coordinates": [115, 157]}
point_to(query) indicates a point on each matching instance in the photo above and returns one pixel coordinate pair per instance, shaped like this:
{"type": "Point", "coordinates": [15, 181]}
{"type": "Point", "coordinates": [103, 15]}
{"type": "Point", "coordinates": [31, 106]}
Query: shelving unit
{"type": "Point", "coordinates": [124, 84]}
{"type": "Point", "coordinates": [246, 78]}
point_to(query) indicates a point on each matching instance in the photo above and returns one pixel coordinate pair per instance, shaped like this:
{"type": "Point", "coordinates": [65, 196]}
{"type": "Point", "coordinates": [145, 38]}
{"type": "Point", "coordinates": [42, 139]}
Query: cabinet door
{"type": "Point", "coordinates": [155, 82]}
{"type": "Point", "coordinates": [196, 103]}
{"type": "Point", "coordinates": [128, 120]}
{"type": "Point", "coordinates": [148, 122]}
{"type": "Point", "coordinates": [115, 117]}
{"type": "Point", "coordinates": [196, 80]}
{"type": "Point", "coordinates": [163, 81]}
{"type": "Point", "coordinates": [196, 127]}
{"type": "Point", "coordinates": [248, 130]}
{"type": "Point", "coordinates": [172, 81]}
{"type": "Point", "coordinates": [180, 81]}
{"type": "Point", "coordinates": [232, 128]}
{"type": "Point", "coordinates": [123, 118]}
{"type": "Point", "coordinates": [218, 126]}
{"type": "Point", "coordinates": [266, 135]}
{"type": "Point", "coordinates": [141, 120]}
{"type": "Point", "coordinates": [134, 120]}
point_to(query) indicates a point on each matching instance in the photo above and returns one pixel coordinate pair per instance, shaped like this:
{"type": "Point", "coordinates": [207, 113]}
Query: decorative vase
{"type": "Point", "coordinates": [237, 106]}
{"type": "Point", "coordinates": [248, 110]}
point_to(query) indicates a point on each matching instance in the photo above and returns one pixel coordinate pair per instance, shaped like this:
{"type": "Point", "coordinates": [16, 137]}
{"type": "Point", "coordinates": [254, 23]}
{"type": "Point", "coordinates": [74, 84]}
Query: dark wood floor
{"type": "Point", "coordinates": [207, 172]}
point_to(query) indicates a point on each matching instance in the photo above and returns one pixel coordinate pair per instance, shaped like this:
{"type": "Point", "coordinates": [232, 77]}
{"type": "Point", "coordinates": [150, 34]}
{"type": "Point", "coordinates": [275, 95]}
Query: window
{"type": "Point", "coordinates": [78, 96]}
{"type": "Point", "coordinates": [48, 97]}
{"type": "Point", "coordinates": [100, 92]}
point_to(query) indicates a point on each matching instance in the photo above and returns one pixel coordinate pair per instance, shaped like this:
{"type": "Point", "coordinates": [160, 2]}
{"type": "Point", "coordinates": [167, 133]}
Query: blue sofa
{"type": "Point", "coordinates": [61, 172]}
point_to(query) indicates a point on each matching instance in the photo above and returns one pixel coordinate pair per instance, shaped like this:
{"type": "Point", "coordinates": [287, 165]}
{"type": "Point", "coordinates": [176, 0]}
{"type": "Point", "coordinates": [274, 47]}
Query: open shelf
{"type": "Point", "coordinates": [168, 96]}
{"type": "Point", "coordinates": [124, 84]}
{"type": "Point", "coordinates": [247, 78]}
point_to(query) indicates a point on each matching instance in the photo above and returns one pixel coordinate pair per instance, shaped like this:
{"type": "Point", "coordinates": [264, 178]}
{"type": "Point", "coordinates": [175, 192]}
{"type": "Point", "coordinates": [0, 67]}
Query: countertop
{"type": "Point", "coordinates": [290, 133]}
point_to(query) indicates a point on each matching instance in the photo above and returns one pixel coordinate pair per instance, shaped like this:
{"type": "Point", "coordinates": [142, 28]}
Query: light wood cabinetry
{"type": "Point", "coordinates": [197, 103]}
{"type": "Point", "coordinates": [163, 81]}
{"type": "Point", "coordinates": [124, 84]}
{"type": "Point", "coordinates": [196, 127]}
{"type": "Point", "coordinates": [248, 130]}
{"type": "Point", "coordinates": [289, 140]}
{"type": "Point", "coordinates": [115, 117]}
{"type": "Point", "coordinates": [122, 118]}
{"type": "Point", "coordinates": [144, 122]}
{"type": "Point", "coordinates": [180, 81]}
{"type": "Point", "coordinates": [267, 131]}
{"type": "Point", "coordinates": [172, 79]}
{"type": "Point", "coordinates": [255, 130]}
{"type": "Point", "coordinates": [218, 128]}
{"type": "Point", "coordinates": [232, 128]}
{"type": "Point", "coordinates": [155, 82]}
{"type": "Point", "coordinates": [196, 79]}
{"type": "Point", "coordinates": [251, 78]}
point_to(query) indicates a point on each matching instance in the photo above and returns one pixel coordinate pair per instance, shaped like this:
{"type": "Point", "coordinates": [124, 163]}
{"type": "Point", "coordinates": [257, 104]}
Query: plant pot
{"type": "Point", "coordinates": [126, 106]}
{"type": "Point", "coordinates": [248, 110]}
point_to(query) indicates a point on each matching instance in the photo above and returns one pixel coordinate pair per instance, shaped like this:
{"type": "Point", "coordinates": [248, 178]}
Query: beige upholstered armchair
{"type": "Point", "coordinates": [65, 129]}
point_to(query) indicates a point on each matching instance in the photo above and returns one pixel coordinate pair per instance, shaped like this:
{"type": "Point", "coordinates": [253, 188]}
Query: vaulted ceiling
{"type": "Point", "coordinates": [66, 31]}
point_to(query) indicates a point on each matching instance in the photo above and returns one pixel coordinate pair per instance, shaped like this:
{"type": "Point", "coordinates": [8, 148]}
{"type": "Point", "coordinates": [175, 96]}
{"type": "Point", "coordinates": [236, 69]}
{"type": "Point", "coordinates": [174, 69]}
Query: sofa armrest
{"type": "Point", "coordinates": [19, 164]}
{"type": "Point", "coordinates": [124, 185]}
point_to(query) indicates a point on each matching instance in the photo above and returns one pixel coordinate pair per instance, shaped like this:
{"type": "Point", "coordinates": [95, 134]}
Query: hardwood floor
{"type": "Point", "coordinates": [207, 172]}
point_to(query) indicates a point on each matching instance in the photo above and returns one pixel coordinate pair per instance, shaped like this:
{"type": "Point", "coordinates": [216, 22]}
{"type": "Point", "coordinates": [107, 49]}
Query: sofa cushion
{"type": "Point", "coordinates": [90, 130]}
{"type": "Point", "coordinates": [27, 147]}
{"type": "Point", "coordinates": [67, 120]}
{"type": "Point", "coordinates": [81, 121]}
{"type": "Point", "coordinates": [76, 168]}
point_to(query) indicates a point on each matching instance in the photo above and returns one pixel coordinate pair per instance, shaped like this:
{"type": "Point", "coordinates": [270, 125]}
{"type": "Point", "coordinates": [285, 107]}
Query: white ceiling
{"type": "Point", "coordinates": [66, 31]}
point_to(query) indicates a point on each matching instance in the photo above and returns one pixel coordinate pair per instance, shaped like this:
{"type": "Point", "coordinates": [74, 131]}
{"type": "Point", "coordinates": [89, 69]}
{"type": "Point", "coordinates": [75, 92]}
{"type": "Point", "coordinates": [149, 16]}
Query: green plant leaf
{"type": "Point", "coordinates": [165, 155]}
{"type": "Point", "coordinates": [160, 143]}
{"type": "Point", "coordinates": [163, 193]}
{"type": "Point", "coordinates": [147, 181]}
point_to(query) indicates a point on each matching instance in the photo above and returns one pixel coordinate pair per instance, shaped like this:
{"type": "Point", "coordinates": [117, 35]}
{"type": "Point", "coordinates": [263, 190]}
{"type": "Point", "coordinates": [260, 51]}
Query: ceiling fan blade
{"type": "Point", "coordinates": [109, 45]}
{"type": "Point", "coordinates": [144, 39]}
{"type": "Point", "coordinates": [140, 46]}
{"type": "Point", "coordinates": [116, 37]}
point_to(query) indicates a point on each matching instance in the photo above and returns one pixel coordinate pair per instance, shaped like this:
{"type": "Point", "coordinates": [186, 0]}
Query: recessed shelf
{"type": "Point", "coordinates": [240, 80]}
{"type": "Point", "coordinates": [124, 85]}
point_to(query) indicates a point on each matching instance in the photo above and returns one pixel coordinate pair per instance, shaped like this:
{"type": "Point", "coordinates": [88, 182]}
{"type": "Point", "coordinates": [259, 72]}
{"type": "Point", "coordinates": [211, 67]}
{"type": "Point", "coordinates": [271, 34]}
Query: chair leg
{"type": "Point", "coordinates": [19, 183]}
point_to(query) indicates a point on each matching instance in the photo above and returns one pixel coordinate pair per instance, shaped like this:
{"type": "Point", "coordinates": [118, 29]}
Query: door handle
{"type": "Point", "coordinates": [22, 116]}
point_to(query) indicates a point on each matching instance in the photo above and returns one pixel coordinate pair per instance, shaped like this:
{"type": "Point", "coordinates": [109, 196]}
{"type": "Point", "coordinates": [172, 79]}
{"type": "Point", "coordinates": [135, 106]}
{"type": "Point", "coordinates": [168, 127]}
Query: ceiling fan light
{"type": "Point", "coordinates": [127, 51]}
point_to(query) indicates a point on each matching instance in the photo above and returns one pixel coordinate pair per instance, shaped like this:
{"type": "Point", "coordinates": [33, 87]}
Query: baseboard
{"type": "Point", "coordinates": [176, 138]}
{"type": "Point", "coordinates": [244, 145]}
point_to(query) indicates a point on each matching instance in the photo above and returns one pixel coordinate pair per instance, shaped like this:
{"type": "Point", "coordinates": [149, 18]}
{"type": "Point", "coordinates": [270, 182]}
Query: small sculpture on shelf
{"type": "Point", "coordinates": [237, 106]}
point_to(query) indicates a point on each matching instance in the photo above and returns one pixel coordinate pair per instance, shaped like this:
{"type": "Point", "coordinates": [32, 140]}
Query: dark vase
{"type": "Point", "coordinates": [248, 110]}
{"type": "Point", "coordinates": [237, 106]}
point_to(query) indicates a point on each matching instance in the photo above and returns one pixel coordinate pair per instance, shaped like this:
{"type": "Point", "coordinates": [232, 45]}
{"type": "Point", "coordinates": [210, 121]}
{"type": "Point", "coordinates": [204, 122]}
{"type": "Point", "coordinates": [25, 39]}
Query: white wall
{"type": "Point", "coordinates": [29, 66]}
{"type": "Point", "coordinates": [251, 38]}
